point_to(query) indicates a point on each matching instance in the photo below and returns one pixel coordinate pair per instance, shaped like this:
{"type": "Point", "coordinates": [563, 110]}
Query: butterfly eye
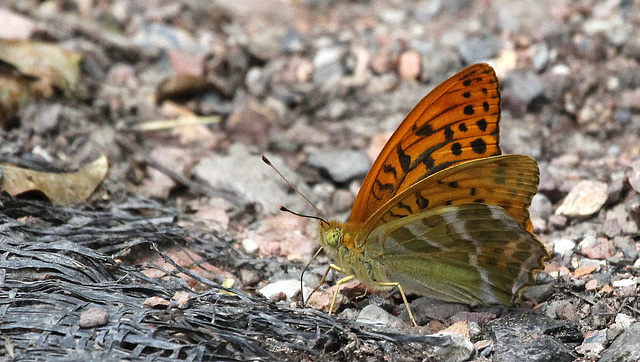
{"type": "Point", "coordinates": [334, 237]}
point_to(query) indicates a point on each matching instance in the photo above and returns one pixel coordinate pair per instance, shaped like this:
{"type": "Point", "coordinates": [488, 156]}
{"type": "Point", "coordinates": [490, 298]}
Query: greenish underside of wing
{"type": "Point", "coordinates": [470, 253]}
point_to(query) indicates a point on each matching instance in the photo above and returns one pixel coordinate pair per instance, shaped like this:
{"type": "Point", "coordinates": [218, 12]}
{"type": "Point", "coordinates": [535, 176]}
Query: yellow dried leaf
{"type": "Point", "coordinates": [54, 66]}
{"type": "Point", "coordinates": [60, 188]}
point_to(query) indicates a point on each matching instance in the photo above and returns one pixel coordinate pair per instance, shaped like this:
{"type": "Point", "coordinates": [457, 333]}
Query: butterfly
{"type": "Point", "coordinates": [442, 213]}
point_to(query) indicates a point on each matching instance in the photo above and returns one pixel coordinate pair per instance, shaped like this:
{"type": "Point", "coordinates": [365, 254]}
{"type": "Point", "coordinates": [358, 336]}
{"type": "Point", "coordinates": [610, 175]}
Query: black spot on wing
{"type": "Point", "coordinates": [468, 110]}
{"type": "Point", "coordinates": [422, 202]}
{"type": "Point", "coordinates": [405, 160]}
{"type": "Point", "coordinates": [425, 130]}
{"type": "Point", "coordinates": [405, 207]}
{"type": "Point", "coordinates": [428, 162]}
{"type": "Point", "coordinates": [456, 149]}
{"type": "Point", "coordinates": [390, 169]}
{"type": "Point", "coordinates": [448, 133]}
{"type": "Point", "coordinates": [482, 124]}
{"type": "Point", "coordinates": [384, 187]}
{"type": "Point", "coordinates": [479, 146]}
{"type": "Point", "coordinates": [397, 216]}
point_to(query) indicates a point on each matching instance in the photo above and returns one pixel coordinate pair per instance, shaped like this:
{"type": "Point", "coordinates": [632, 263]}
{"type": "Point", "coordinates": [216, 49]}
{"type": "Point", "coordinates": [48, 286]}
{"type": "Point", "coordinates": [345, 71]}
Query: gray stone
{"type": "Point", "coordinates": [93, 317]}
{"type": "Point", "coordinates": [438, 64]}
{"type": "Point", "coordinates": [334, 110]}
{"type": "Point", "coordinates": [611, 228]}
{"type": "Point", "coordinates": [586, 262]}
{"type": "Point", "coordinates": [250, 180]}
{"type": "Point", "coordinates": [624, 320]}
{"type": "Point", "coordinates": [631, 47]}
{"type": "Point", "coordinates": [540, 56]}
{"type": "Point", "coordinates": [538, 293]}
{"type": "Point", "coordinates": [289, 288]}
{"type": "Point", "coordinates": [451, 347]}
{"type": "Point", "coordinates": [292, 41]}
{"type": "Point", "coordinates": [622, 218]}
{"type": "Point", "coordinates": [46, 120]}
{"type": "Point", "coordinates": [382, 84]}
{"type": "Point", "coordinates": [373, 314]}
{"type": "Point", "coordinates": [523, 87]}
{"type": "Point", "coordinates": [590, 350]}
{"type": "Point", "coordinates": [620, 34]}
{"type": "Point", "coordinates": [525, 18]}
{"type": "Point", "coordinates": [626, 347]}
{"type": "Point", "coordinates": [541, 207]}
{"type": "Point", "coordinates": [595, 26]}
{"type": "Point", "coordinates": [266, 44]}
{"type": "Point", "coordinates": [476, 50]}
{"type": "Point", "coordinates": [627, 247]}
{"type": "Point", "coordinates": [623, 116]}
{"type": "Point", "coordinates": [551, 308]}
{"type": "Point", "coordinates": [524, 337]}
{"type": "Point", "coordinates": [154, 36]}
{"type": "Point", "coordinates": [563, 246]}
{"type": "Point", "coordinates": [521, 136]}
{"type": "Point", "coordinates": [425, 309]}
{"type": "Point", "coordinates": [257, 80]}
{"type": "Point", "coordinates": [424, 12]}
{"type": "Point", "coordinates": [341, 165]}
{"type": "Point", "coordinates": [393, 16]}
{"type": "Point", "coordinates": [596, 336]}
{"type": "Point", "coordinates": [328, 68]}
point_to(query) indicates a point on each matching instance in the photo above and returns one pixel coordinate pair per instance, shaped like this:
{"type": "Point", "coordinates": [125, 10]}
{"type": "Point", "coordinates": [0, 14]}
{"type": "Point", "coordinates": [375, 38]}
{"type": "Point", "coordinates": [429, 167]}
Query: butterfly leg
{"type": "Point", "coordinates": [404, 298]}
{"type": "Point", "coordinates": [335, 292]}
{"type": "Point", "coordinates": [324, 278]}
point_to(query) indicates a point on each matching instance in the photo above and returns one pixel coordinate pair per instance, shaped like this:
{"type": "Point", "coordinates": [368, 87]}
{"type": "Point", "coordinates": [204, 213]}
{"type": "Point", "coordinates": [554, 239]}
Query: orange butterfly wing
{"type": "Point", "coordinates": [457, 121]}
{"type": "Point", "coordinates": [508, 181]}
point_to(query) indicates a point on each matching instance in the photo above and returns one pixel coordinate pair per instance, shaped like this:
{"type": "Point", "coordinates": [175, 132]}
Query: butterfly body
{"type": "Point", "coordinates": [442, 213]}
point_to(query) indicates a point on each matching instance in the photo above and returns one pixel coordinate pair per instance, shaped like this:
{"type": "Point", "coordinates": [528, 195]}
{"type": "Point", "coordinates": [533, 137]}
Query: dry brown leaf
{"type": "Point", "coordinates": [56, 68]}
{"type": "Point", "coordinates": [60, 188]}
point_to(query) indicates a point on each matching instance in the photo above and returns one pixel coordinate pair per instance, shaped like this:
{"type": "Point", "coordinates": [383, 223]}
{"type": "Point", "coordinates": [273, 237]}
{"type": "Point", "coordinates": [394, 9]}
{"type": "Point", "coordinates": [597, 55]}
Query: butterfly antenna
{"type": "Point", "coordinates": [266, 160]}
{"type": "Point", "coordinates": [282, 208]}
{"type": "Point", "coordinates": [304, 304]}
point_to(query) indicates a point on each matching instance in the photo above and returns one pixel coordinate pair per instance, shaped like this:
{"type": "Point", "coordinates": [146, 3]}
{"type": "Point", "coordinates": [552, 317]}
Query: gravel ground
{"type": "Point", "coordinates": [318, 86]}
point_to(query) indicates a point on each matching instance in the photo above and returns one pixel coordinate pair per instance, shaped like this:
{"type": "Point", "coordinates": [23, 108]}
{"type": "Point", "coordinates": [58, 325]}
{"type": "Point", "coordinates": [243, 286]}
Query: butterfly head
{"type": "Point", "coordinates": [331, 236]}
{"type": "Point", "coordinates": [334, 235]}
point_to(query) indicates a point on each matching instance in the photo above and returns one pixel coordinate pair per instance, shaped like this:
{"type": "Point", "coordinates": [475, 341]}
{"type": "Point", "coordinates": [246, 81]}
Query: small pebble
{"type": "Point", "coordinates": [409, 65]}
{"type": "Point", "coordinates": [93, 317]}
{"type": "Point", "coordinates": [372, 314]}
{"type": "Point", "coordinates": [290, 288]}
{"type": "Point", "coordinates": [586, 198]}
